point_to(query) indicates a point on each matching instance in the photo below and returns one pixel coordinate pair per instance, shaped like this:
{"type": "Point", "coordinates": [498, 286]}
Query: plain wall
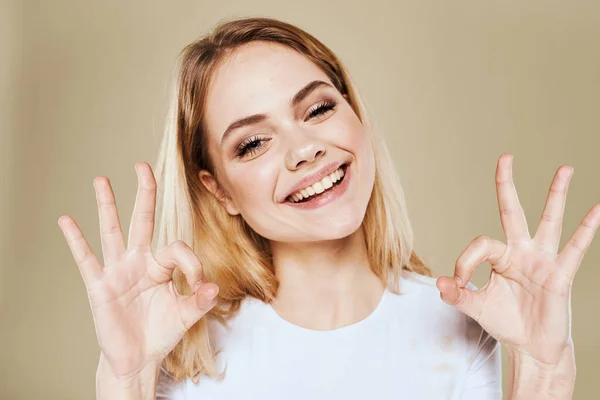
{"type": "Point", "coordinates": [451, 85]}
{"type": "Point", "coordinates": [11, 126]}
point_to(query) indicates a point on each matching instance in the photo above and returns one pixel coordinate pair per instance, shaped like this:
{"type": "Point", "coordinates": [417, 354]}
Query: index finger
{"type": "Point", "coordinates": [141, 228]}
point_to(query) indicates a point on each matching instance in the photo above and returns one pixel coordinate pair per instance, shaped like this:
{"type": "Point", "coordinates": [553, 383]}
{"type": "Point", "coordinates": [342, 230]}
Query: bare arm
{"type": "Point", "coordinates": [529, 379]}
{"type": "Point", "coordinates": [141, 386]}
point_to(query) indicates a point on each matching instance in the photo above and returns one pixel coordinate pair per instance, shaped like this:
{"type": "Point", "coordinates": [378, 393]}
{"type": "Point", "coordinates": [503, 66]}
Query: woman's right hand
{"type": "Point", "coordinates": [138, 314]}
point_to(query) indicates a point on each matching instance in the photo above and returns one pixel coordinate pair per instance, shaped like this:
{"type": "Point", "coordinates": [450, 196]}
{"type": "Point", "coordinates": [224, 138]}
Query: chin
{"type": "Point", "coordinates": [328, 229]}
{"type": "Point", "coordinates": [339, 226]}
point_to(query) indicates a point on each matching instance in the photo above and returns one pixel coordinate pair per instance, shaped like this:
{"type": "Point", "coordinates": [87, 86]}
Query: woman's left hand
{"type": "Point", "coordinates": [526, 302]}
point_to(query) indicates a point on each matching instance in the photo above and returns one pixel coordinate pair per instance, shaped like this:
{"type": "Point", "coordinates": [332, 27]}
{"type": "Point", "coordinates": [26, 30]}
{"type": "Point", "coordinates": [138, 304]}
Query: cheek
{"type": "Point", "coordinates": [348, 132]}
{"type": "Point", "coordinates": [351, 136]}
{"type": "Point", "coordinates": [354, 139]}
{"type": "Point", "coordinates": [253, 184]}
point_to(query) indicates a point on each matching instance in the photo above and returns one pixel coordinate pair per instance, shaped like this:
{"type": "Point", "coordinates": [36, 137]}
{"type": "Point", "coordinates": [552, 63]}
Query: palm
{"type": "Point", "coordinates": [529, 304]}
{"type": "Point", "coordinates": [138, 314]}
{"type": "Point", "coordinates": [133, 311]}
{"type": "Point", "coordinates": [526, 302]}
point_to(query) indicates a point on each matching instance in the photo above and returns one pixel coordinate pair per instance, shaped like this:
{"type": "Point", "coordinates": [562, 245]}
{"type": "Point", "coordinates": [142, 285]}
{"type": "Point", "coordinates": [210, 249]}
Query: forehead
{"type": "Point", "coordinates": [259, 77]}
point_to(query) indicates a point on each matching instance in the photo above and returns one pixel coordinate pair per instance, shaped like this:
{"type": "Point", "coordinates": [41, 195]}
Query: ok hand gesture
{"type": "Point", "coordinates": [138, 314]}
{"type": "Point", "coordinates": [526, 302]}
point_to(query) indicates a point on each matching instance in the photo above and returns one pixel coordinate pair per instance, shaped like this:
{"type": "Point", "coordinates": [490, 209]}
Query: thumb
{"type": "Point", "coordinates": [193, 307]}
{"type": "Point", "coordinates": [465, 300]}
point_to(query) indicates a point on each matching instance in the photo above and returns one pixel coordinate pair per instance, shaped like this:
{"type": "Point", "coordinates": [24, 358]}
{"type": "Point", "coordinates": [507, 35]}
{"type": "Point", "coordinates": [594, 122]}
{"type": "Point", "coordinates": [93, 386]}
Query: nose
{"type": "Point", "coordinates": [307, 150]}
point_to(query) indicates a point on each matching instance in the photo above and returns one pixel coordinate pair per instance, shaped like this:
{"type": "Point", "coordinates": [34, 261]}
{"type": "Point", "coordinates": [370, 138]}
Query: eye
{"type": "Point", "coordinates": [250, 146]}
{"type": "Point", "coordinates": [321, 108]}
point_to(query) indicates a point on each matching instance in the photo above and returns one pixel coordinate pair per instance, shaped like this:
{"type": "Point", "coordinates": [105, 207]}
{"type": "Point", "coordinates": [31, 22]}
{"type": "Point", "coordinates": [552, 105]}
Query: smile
{"type": "Point", "coordinates": [320, 193]}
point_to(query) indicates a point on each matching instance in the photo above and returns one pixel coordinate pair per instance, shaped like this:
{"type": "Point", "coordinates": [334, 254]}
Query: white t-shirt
{"type": "Point", "coordinates": [412, 346]}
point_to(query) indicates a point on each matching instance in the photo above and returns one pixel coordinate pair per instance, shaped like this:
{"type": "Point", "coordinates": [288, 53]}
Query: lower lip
{"type": "Point", "coordinates": [328, 197]}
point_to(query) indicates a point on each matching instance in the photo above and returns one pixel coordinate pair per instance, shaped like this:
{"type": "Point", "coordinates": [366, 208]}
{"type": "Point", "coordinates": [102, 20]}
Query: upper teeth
{"type": "Point", "coordinates": [318, 187]}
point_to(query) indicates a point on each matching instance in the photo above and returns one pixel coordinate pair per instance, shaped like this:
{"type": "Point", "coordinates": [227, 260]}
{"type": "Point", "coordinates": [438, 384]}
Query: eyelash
{"type": "Point", "coordinates": [247, 145]}
{"type": "Point", "coordinates": [322, 108]}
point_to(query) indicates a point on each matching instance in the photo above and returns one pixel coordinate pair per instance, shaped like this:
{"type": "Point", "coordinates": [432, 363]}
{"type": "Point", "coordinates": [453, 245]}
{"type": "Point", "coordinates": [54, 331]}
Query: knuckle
{"type": "Point", "coordinates": [500, 181]}
{"type": "Point", "coordinates": [111, 230]}
{"type": "Point", "coordinates": [76, 240]}
{"type": "Point", "coordinates": [139, 249]}
{"type": "Point", "coordinates": [195, 268]}
{"type": "Point", "coordinates": [179, 245]}
{"type": "Point", "coordinates": [588, 222]}
{"type": "Point", "coordinates": [481, 239]}
{"type": "Point", "coordinates": [574, 243]}
{"type": "Point", "coordinates": [107, 202]}
{"type": "Point", "coordinates": [147, 185]}
{"type": "Point", "coordinates": [146, 216]}
{"type": "Point", "coordinates": [85, 257]}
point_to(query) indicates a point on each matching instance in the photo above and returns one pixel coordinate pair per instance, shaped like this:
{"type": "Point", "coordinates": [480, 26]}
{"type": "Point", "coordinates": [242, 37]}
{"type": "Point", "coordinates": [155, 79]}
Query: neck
{"type": "Point", "coordinates": [325, 285]}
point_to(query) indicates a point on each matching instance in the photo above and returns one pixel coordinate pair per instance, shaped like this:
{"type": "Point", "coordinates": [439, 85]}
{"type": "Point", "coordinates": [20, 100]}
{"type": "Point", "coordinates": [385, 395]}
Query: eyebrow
{"type": "Point", "coordinates": [256, 118]}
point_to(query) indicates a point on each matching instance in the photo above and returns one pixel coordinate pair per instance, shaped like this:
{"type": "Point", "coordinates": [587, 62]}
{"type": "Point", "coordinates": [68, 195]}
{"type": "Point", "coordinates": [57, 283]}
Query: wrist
{"type": "Point", "coordinates": [138, 386]}
{"type": "Point", "coordinates": [532, 379]}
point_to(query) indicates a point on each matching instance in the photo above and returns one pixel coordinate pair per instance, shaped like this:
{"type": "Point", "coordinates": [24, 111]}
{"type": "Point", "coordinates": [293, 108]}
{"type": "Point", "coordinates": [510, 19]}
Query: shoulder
{"type": "Point", "coordinates": [446, 336]}
{"type": "Point", "coordinates": [241, 322]}
{"type": "Point", "coordinates": [419, 302]}
{"type": "Point", "coordinates": [430, 317]}
{"type": "Point", "coordinates": [223, 338]}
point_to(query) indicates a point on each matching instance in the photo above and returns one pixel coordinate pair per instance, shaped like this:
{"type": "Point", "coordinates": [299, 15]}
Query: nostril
{"type": "Point", "coordinates": [300, 163]}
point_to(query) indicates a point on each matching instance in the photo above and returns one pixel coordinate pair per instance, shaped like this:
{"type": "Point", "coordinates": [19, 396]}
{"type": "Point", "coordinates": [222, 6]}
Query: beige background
{"type": "Point", "coordinates": [452, 84]}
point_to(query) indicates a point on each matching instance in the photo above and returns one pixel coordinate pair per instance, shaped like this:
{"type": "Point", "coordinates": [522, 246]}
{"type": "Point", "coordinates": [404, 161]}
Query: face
{"type": "Point", "coordinates": [306, 132]}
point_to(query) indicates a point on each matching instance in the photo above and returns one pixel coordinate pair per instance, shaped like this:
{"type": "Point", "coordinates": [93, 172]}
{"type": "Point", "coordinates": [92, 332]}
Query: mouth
{"type": "Point", "coordinates": [320, 191]}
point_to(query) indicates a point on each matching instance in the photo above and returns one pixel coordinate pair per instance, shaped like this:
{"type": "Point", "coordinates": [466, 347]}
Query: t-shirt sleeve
{"type": "Point", "coordinates": [484, 365]}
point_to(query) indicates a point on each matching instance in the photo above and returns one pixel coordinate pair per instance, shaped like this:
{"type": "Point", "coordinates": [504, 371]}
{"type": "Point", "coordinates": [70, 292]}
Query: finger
{"type": "Point", "coordinates": [549, 230]}
{"type": "Point", "coordinates": [113, 245]}
{"type": "Point", "coordinates": [480, 250]}
{"type": "Point", "coordinates": [142, 220]}
{"type": "Point", "coordinates": [511, 212]}
{"type": "Point", "coordinates": [572, 254]}
{"type": "Point", "coordinates": [177, 254]}
{"type": "Point", "coordinates": [86, 260]}
{"type": "Point", "coordinates": [193, 307]}
{"type": "Point", "coordinates": [465, 300]}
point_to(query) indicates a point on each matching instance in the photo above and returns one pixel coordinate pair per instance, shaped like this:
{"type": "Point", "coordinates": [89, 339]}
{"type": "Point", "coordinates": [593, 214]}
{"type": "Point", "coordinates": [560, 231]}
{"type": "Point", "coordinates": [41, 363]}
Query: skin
{"type": "Point", "coordinates": [319, 255]}
{"type": "Point", "coordinates": [526, 304]}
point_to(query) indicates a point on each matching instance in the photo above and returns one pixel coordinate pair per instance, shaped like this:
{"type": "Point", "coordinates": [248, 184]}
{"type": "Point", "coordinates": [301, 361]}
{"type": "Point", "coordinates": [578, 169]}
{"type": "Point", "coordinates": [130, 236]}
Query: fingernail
{"type": "Point", "coordinates": [458, 281]}
{"type": "Point", "coordinates": [197, 285]}
{"type": "Point", "coordinates": [211, 291]}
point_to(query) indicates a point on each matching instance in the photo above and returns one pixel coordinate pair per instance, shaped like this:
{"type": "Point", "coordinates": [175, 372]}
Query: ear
{"type": "Point", "coordinates": [211, 184]}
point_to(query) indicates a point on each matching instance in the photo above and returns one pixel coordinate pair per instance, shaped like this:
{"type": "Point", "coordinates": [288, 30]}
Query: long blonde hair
{"type": "Point", "coordinates": [232, 254]}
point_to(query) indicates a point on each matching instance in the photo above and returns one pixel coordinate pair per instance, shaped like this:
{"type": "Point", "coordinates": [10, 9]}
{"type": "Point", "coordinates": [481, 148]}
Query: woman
{"type": "Point", "coordinates": [284, 252]}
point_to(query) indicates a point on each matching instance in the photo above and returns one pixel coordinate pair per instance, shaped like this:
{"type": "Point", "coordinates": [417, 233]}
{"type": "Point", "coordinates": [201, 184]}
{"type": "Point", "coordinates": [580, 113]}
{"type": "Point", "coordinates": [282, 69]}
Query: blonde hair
{"type": "Point", "coordinates": [232, 254]}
